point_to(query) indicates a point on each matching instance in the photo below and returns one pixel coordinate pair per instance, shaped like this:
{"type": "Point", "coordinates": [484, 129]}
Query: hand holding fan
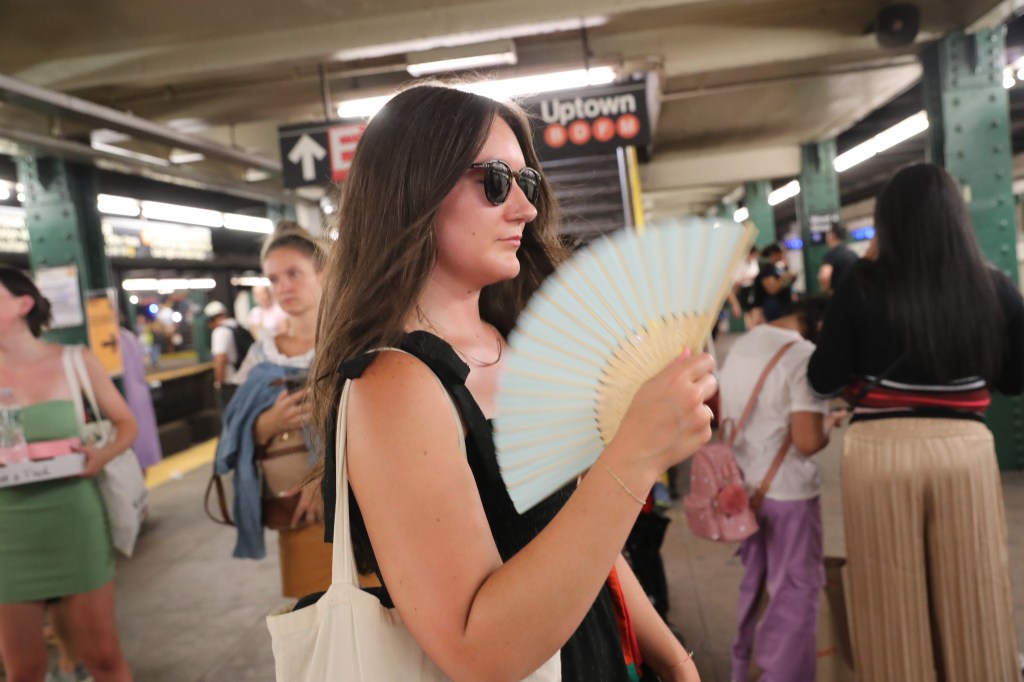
{"type": "Point", "coordinates": [611, 317]}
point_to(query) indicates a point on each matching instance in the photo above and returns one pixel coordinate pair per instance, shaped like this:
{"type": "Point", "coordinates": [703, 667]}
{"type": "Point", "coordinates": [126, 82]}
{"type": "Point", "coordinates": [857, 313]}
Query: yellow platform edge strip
{"type": "Point", "coordinates": [177, 465]}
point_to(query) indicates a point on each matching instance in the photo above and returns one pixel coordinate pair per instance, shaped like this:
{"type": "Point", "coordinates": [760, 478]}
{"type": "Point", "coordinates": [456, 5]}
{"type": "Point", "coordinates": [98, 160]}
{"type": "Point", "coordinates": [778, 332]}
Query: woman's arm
{"type": "Point", "coordinates": [113, 407]}
{"type": "Point", "coordinates": [658, 646]}
{"type": "Point", "coordinates": [477, 618]}
{"type": "Point", "coordinates": [831, 366]}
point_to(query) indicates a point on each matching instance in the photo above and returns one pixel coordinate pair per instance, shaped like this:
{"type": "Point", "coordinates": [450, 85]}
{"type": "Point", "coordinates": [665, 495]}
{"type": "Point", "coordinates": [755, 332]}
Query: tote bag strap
{"type": "Point", "coordinates": [74, 386]}
{"type": "Point", "coordinates": [343, 564]}
{"type": "Point", "coordinates": [83, 377]}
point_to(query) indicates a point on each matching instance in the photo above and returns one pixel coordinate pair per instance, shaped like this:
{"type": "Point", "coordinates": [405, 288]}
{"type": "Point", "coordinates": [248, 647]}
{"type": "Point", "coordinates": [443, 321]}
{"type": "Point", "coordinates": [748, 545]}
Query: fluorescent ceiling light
{"type": "Point", "coordinates": [182, 156]}
{"type": "Point", "coordinates": [255, 175]}
{"type": "Point", "coordinates": [5, 193]}
{"type": "Point", "coordinates": [156, 210]}
{"type": "Point", "coordinates": [129, 154]}
{"type": "Point", "coordinates": [904, 130]}
{"type": "Point", "coordinates": [114, 205]}
{"type": "Point", "coordinates": [236, 221]}
{"type": "Point", "coordinates": [741, 214]}
{"type": "Point", "coordinates": [168, 284]}
{"type": "Point", "coordinates": [502, 89]}
{"type": "Point", "coordinates": [787, 191]}
{"type": "Point", "coordinates": [461, 58]}
{"type": "Point", "coordinates": [250, 281]}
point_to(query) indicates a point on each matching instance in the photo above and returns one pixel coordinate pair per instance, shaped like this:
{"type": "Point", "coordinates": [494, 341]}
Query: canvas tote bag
{"type": "Point", "coordinates": [347, 634]}
{"type": "Point", "coordinates": [121, 482]}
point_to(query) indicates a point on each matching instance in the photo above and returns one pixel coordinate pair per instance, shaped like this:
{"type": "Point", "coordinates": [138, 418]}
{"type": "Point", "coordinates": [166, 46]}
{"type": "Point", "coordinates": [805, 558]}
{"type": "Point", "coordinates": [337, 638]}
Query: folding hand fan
{"type": "Point", "coordinates": [610, 318]}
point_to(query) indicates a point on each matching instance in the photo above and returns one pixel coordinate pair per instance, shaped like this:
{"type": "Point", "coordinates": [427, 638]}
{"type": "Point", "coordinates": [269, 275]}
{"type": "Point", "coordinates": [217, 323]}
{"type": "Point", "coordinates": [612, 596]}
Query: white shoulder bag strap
{"type": "Point", "coordinates": [343, 565]}
{"type": "Point", "coordinates": [74, 386]}
{"type": "Point", "coordinates": [83, 377]}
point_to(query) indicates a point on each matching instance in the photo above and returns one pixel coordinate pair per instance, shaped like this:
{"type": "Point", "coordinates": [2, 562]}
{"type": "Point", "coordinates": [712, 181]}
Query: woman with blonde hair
{"type": "Point", "coordinates": [446, 228]}
{"type": "Point", "coordinates": [265, 421]}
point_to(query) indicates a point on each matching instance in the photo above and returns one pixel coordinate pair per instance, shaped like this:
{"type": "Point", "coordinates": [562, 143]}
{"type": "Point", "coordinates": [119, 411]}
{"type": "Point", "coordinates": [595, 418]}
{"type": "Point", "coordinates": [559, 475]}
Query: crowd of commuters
{"type": "Point", "coordinates": [448, 230]}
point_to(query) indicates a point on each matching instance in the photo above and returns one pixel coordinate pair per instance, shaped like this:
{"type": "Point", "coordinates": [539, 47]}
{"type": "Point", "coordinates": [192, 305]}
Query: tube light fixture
{"type": "Point", "coordinates": [250, 281]}
{"type": "Point", "coordinates": [904, 130]}
{"type": "Point", "coordinates": [741, 214]}
{"type": "Point", "coordinates": [156, 210]}
{"type": "Point", "coordinates": [248, 223]}
{"type": "Point", "coordinates": [787, 191]}
{"type": "Point", "coordinates": [149, 284]}
{"type": "Point", "coordinates": [115, 205]}
{"type": "Point", "coordinates": [461, 58]}
{"type": "Point", "coordinates": [497, 89]}
{"type": "Point", "coordinates": [5, 193]}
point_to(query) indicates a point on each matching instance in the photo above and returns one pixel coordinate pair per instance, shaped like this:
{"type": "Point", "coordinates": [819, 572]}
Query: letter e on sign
{"type": "Point", "coordinates": [579, 132]}
{"type": "Point", "coordinates": [342, 141]}
{"type": "Point", "coordinates": [555, 135]}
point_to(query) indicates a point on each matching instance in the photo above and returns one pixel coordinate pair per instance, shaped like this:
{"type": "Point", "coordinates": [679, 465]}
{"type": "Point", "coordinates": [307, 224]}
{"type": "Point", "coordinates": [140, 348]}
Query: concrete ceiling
{"type": "Point", "coordinates": [743, 82]}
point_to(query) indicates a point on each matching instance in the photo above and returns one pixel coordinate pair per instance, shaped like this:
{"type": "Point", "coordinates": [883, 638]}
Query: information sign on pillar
{"type": "Point", "coordinates": [318, 153]}
{"type": "Point", "coordinates": [817, 205]}
{"type": "Point", "coordinates": [969, 134]}
{"type": "Point", "coordinates": [66, 247]}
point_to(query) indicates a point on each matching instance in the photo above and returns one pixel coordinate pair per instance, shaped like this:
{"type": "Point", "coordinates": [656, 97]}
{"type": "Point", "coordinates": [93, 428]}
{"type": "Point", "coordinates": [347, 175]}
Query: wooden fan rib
{"type": "Point", "coordinates": [636, 321]}
{"type": "Point", "coordinates": [578, 463]}
{"type": "Point", "coordinates": [601, 296]}
{"type": "Point", "coordinates": [616, 335]}
{"type": "Point", "coordinates": [617, 253]}
{"type": "Point", "coordinates": [540, 340]}
{"type": "Point", "coordinates": [585, 430]}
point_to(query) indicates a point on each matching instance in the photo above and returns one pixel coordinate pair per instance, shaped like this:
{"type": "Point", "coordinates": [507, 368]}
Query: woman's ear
{"type": "Point", "coordinates": [25, 305]}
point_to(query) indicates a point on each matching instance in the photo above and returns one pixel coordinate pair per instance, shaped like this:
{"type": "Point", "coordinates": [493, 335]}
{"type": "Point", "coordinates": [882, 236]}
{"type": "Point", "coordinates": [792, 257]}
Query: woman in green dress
{"type": "Point", "coordinates": [55, 545]}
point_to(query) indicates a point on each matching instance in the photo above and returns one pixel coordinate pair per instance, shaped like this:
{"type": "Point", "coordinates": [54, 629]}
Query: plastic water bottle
{"type": "Point", "coordinates": [13, 446]}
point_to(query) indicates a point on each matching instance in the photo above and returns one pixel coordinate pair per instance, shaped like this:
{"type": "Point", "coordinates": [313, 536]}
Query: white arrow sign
{"type": "Point", "coordinates": [307, 151]}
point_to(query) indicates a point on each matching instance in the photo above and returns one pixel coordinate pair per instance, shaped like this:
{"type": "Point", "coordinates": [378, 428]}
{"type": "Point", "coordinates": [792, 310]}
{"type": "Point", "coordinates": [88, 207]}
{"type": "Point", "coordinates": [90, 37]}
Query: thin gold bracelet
{"type": "Point", "coordinates": [621, 483]}
{"type": "Point", "coordinates": [689, 658]}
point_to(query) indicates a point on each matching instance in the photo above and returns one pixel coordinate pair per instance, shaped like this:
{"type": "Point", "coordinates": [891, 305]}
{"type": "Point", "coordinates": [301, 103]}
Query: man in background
{"type": "Point", "coordinates": [229, 343]}
{"type": "Point", "coordinates": [838, 261]}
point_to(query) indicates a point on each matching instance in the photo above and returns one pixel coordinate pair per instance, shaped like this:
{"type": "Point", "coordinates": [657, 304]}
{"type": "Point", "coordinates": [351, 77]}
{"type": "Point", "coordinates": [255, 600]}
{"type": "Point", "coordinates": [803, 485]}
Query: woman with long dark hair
{"type": "Point", "coordinates": [445, 231]}
{"type": "Point", "coordinates": [55, 545]}
{"type": "Point", "coordinates": [919, 335]}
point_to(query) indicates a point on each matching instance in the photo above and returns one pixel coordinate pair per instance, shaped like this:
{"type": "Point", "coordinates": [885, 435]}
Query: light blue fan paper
{"type": "Point", "coordinates": [603, 298]}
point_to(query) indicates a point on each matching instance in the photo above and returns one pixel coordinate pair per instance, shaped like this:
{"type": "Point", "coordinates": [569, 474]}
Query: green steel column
{"type": "Point", "coordinates": [64, 227]}
{"type": "Point", "coordinates": [200, 332]}
{"type": "Point", "coordinates": [817, 205]}
{"type": "Point", "coordinates": [278, 212]}
{"type": "Point", "coordinates": [969, 134]}
{"type": "Point", "coordinates": [761, 212]}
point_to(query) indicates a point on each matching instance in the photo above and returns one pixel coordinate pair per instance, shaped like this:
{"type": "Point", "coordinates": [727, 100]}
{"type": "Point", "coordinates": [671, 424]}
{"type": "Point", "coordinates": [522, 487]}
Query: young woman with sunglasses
{"type": "Point", "coordinates": [445, 231]}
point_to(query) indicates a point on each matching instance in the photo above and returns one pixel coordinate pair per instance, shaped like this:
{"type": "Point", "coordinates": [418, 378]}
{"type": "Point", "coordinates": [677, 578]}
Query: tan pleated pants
{"type": "Point", "coordinates": [927, 553]}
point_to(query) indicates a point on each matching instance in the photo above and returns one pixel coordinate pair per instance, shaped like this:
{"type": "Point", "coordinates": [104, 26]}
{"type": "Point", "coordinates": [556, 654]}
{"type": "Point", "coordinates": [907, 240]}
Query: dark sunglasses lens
{"type": "Point", "coordinates": [529, 182]}
{"type": "Point", "coordinates": [497, 182]}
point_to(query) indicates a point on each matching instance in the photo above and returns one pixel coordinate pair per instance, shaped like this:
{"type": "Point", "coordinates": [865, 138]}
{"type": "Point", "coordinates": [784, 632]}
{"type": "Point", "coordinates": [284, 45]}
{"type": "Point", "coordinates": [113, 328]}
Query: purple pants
{"type": "Point", "coordinates": [785, 557]}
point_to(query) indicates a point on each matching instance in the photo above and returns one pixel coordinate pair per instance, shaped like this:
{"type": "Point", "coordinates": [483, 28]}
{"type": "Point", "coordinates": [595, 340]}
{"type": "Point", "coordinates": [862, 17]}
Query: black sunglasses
{"type": "Point", "coordinates": [498, 177]}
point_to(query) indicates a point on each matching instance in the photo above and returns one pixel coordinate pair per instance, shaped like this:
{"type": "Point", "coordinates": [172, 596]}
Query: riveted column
{"type": "Point", "coordinates": [969, 134]}
{"type": "Point", "coordinates": [64, 229]}
{"type": "Point", "coordinates": [817, 205]}
{"type": "Point", "coordinates": [761, 212]}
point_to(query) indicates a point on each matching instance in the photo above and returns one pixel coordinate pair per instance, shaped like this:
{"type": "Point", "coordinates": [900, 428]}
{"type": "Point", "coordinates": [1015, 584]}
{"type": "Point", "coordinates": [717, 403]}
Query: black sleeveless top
{"type": "Point", "coordinates": [594, 652]}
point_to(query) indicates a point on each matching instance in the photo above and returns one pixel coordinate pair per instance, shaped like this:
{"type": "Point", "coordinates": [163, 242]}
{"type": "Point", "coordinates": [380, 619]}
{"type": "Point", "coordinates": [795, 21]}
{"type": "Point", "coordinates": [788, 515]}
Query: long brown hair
{"type": "Point", "coordinates": [409, 158]}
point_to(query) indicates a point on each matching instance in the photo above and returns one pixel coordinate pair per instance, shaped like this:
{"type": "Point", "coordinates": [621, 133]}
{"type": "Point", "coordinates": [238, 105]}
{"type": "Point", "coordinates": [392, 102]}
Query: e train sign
{"type": "Point", "coordinates": [590, 121]}
{"type": "Point", "coordinates": [318, 153]}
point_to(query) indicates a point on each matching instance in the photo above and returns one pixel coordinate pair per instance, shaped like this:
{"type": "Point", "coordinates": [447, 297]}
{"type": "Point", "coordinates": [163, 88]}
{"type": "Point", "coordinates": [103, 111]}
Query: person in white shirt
{"type": "Point", "coordinates": [225, 352]}
{"type": "Point", "coordinates": [266, 319]}
{"type": "Point", "coordinates": [786, 554]}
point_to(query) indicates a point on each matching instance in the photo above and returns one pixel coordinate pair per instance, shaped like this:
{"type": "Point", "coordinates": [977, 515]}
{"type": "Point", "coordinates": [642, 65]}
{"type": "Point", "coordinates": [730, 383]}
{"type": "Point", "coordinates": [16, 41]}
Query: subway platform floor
{"type": "Point", "coordinates": [188, 612]}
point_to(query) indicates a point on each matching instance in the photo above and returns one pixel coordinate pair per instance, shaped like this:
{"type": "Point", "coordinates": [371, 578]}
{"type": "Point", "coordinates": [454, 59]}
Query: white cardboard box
{"type": "Point", "coordinates": [34, 471]}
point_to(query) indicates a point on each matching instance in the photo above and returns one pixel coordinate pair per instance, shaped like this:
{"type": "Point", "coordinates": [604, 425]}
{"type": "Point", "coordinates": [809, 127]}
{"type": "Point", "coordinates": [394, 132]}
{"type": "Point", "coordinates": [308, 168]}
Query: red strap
{"type": "Point", "coordinates": [757, 392]}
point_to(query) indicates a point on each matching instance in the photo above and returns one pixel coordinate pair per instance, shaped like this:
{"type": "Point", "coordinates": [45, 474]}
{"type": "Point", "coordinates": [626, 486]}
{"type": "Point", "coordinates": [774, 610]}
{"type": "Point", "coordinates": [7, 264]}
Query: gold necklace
{"type": "Point", "coordinates": [476, 361]}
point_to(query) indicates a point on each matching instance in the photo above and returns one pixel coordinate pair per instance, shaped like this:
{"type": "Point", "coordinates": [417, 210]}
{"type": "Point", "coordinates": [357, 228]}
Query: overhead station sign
{"type": "Point", "coordinates": [590, 121]}
{"type": "Point", "coordinates": [318, 153]}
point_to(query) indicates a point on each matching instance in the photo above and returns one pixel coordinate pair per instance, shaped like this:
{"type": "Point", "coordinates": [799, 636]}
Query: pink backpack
{"type": "Point", "coordinates": [717, 506]}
